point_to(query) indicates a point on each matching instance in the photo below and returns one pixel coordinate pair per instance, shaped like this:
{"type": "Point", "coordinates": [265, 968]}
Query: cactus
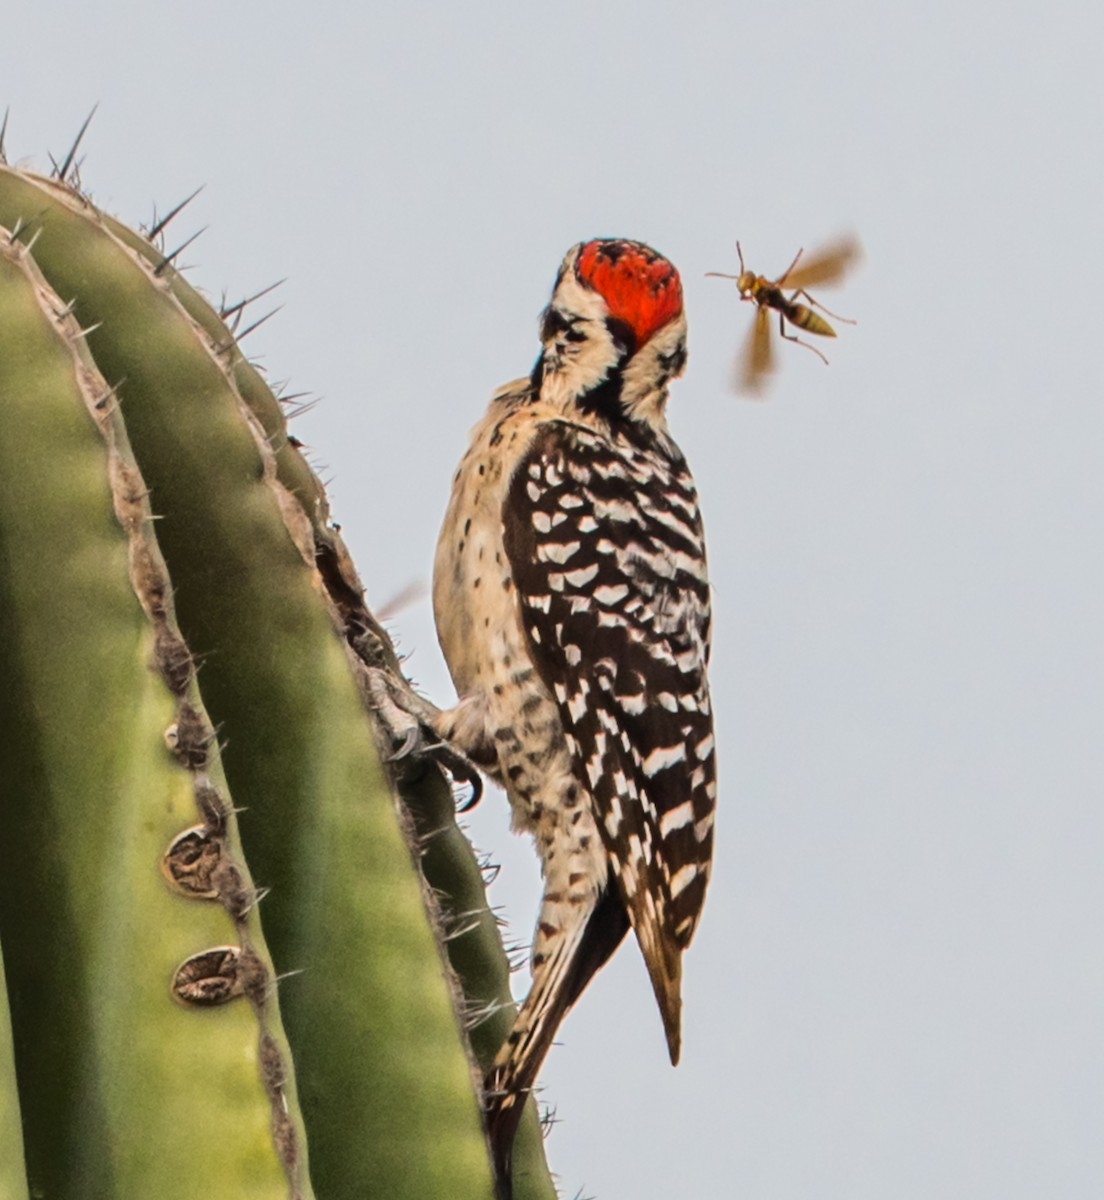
{"type": "Point", "coordinates": [190, 675]}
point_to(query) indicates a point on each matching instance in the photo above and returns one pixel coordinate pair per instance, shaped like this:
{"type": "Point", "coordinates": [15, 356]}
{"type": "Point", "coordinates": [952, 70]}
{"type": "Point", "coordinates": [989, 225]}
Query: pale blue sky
{"type": "Point", "coordinates": [898, 987]}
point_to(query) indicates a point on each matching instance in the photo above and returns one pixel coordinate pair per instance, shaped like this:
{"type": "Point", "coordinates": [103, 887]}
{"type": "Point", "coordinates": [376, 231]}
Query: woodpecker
{"type": "Point", "coordinates": [573, 610]}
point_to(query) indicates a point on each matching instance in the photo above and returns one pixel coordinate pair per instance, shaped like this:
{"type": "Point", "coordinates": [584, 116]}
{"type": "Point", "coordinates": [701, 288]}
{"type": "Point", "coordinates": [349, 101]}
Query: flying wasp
{"type": "Point", "coordinates": [823, 266]}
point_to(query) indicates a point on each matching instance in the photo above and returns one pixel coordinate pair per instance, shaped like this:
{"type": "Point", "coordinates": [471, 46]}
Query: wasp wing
{"type": "Point", "coordinates": [826, 265]}
{"type": "Point", "coordinates": [756, 358]}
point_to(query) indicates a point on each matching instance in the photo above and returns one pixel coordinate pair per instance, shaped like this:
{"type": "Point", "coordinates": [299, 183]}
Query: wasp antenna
{"type": "Point", "coordinates": [62, 172]}
{"type": "Point", "coordinates": [786, 273]}
{"type": "Point", "coordinates": [3, 135]}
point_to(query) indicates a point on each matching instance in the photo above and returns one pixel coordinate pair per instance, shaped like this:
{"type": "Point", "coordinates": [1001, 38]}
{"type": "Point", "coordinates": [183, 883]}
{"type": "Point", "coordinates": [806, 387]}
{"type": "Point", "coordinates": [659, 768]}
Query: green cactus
{"type": "Point", "coordinates": [173, 1029]}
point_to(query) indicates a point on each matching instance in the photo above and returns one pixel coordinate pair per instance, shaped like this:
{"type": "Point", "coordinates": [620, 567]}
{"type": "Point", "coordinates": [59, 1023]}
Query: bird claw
{"type": "Point", "coordinates": [411, 734]}
{"type": "Point", "coordinates": [461, 770]}
{"type": "Point", "coordinates": [411, 741]}
{"type": "Point", "coordinates": [458, 767]}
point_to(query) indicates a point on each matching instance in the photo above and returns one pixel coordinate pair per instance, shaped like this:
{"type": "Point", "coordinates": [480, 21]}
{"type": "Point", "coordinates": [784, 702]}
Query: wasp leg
{"type": "Point", "coordinates": [793, 338]}
{"type": "Point", "coordinates": [817, 304]}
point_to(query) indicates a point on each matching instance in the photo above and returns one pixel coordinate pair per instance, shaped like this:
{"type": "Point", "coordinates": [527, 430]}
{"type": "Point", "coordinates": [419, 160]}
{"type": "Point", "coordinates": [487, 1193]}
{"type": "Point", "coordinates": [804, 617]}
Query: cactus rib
{"type": "Point", "coordinates": [103, 1057]}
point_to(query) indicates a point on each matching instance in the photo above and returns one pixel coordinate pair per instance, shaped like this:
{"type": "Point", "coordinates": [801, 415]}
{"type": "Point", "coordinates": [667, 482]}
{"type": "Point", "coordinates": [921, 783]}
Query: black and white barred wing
{"type": "Point", "coordinates": [606, 550]}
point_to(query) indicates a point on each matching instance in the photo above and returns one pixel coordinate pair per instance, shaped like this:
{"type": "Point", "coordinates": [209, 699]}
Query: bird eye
{"type": "Point", "coordinates": [554, 323]}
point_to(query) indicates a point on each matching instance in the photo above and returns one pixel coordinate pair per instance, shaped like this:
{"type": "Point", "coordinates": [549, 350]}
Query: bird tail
{"type": "Point", "coordinates": [558, 981]}
{"type": "Point", "coordinates": [663, 958]}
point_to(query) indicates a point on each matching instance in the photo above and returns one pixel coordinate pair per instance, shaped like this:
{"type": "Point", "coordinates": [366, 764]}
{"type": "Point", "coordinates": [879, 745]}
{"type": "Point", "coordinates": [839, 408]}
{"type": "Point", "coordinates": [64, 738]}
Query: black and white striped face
{"type": "Point", "coordinates": [614, 333]}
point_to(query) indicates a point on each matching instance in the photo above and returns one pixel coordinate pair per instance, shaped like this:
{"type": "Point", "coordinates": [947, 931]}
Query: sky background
{"type": "Point", "coordinates": [898, 986]}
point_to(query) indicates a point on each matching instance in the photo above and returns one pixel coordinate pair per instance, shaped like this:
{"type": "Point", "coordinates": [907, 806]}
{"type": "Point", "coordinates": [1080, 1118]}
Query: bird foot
{"type": "Point", "coordinates": [407, 719]}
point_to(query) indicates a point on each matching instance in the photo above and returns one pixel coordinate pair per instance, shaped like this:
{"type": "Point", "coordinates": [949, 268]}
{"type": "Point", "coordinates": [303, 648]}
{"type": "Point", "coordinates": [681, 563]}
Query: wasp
{"type": "Point", "coordinates": [823, 266]}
